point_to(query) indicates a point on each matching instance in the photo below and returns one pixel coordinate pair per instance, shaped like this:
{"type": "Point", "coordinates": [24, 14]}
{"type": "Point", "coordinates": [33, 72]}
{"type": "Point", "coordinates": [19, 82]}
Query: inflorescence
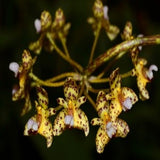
{"type": "Point", "coordinates": [78, 84]}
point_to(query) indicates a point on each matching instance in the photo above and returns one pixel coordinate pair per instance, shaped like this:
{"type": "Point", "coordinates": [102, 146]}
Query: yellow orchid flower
{"type": "Point", "coordinates": [45, 25]}
{"type": "Point", "coordinates": [108, 127]}
{"type": "Point", "coordinates": [101, 16]}
{"type": "Point", "coordinates": [144, 75]}
{"type": "Point", "coordinates": [39, 123]}
{"type": "Point", "coordinates": [71, 115]}
{"type": "Point", "coordinates": [22, 71]}
{"type": "Point", "coordinates": [122, 98]}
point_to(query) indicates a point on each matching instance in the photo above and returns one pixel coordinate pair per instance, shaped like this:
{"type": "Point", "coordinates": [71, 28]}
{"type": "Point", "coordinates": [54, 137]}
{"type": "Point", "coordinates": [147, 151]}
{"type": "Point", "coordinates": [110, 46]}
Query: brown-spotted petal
{"type": "Point", "coordinates": [42, 97]}
{"type": "Point", "coordinates": [81, 121]}
{"type": "Point", "coordinates": [46, 20]}
{"type": "Point", "coordinates": [59, 124]}
{"type": "Point", "coordinates": [62, 102]}
{"type": "Point", "coordinates": [128, 98]}
{"type": "Point", "coordinates": [96, 121]}
{"type": "Point", "coordinates": [115, 81]}
{"type": "Point", "coordinates": [27, 61]}
{"type": "Point", "coordinates": [121, 126]}
{"type": "Point", "coordinates": [101, 139]}
{"type": "Point", "coordinates": [70, 89]}
{"type": "Point", "coordinates": [80, 101]}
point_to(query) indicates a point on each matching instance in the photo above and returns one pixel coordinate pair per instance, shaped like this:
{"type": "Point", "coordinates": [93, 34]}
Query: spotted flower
{"type": "Point", "coordinates": [21, 71]}
{"type": "Point", "coordinates": [39, 123]}
{"type": "Point", "coordinates": [144, 75]}
{"type": "Point", "coordinates": [108, 127]}
{"type": "Point", "coordinates": [101, 15]}
{"type": "Point", "coordinates": [45, 25]}
{"type": "Point", "coordinates": [71, 115]}
{"type": "Point", "coordinates": [122, 98]}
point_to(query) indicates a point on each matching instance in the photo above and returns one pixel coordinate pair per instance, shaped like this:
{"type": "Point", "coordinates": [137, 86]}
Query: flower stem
{"type": "Point", "coordinates": [95, 42]}
{"type": "Point", "coordinates": [69, 60]}
{"type": "Point", "coordinates": [63, 41]}
{"type": "Point", "coordinates": [121, 48]}
{"type": "Point", "coordinates": [44, 83]}
{"type": "Point", "coordinates": [90, 100]}
{"type": "Point", "coordinates": [63, 75]}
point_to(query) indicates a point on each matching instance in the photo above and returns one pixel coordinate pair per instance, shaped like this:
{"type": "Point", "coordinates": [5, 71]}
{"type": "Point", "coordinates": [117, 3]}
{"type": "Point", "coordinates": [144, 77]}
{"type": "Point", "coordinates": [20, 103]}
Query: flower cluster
{"type": "Point", "coordinates": [111, 101]}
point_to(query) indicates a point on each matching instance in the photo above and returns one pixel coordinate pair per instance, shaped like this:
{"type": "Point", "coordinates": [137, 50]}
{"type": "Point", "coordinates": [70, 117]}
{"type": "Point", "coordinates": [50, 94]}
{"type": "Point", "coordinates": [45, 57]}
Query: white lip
{"type": "Point", "coordinates": [127, 104]}
{"type": "Point", "coordinates": [37, 24]}
{"type": "Point", "coordinates": [14, 67]}
{"type": "Point", "coordinates": [150, 71]}
{"type": "Point", "coordinates": [69, 120]}
{"type": "Point", "coordinates": [110, 129]}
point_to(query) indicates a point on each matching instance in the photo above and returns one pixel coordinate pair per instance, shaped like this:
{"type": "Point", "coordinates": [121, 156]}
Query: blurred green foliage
{"type": "Point", "coordinates": [17, 31]}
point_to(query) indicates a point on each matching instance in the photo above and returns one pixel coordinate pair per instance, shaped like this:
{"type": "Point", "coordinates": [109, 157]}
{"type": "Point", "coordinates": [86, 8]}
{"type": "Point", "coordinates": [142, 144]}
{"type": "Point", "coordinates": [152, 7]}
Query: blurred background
{"type": "Point", "coordinates": [17, 31]}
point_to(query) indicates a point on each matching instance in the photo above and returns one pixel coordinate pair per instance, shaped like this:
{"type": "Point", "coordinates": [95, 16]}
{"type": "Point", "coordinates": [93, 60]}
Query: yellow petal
{"type": "Point", "coordinates": [127, 32]}
{"type": "Point", "coordinates": [101, 139]}
{"type": "Point", "coordinates": [141, 83]}
{"type": "Point", "coordinates": [115, 82]}
{"type": "Point", "coordinates": [46, 20]}
{"type": "Point", "coordinates": [42, 97]}
{"type": "Point", "coordinates": [27, 106]}
{"type": "Point", "coordinates": [122, 127]}
{"type": "Point", "coordinates": [59, 19]}
{"type": "Point", "coordinates": [129, 93]}
{"type": "Point", "coordinates": [62, 102]}
{"type": "Point", "coordinates": [101, 103]}
{"type": "Point", "coordinates": [115, 108]}
{"type": "Point", "coordinates": [96, 121]}
{"type": "Point", "coordinates": [36, 47]}
{"type": "Point", "coordinates": [45, 129]}
{"type": "Point", "coordinates": [81, 121]}
{"type": "Point", "coordinates": [70, 89]}
{"type": "Point", "coordinates": [59, 125]}
{"type": "Point", "coordinates": [50, 112]}
{"type": "Point", "coordinates": [98, 9]}
{"type": "Point", "coordinates": [80, 101]}
{"type": "Point", "coordinates": [26, 60]}
{"type": "Point", "coordinates": [112, 32]}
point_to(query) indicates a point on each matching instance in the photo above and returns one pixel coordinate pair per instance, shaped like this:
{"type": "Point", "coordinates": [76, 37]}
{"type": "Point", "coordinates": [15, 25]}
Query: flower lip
{"type": "Point", "coordinates": [127, 104]}
{"type": "Point", "coordinates": [32, 126]}
{"type": "Point", "coordinates": [69, 120]}
{"type": "Point", "coordinates": [150, 71]}
{"type": "Point", "coordinates": [37, 24]}
{"type": "Point", "coordinates": [105, 11]}
{"type": "Point", "coordinates": [14, 67]}
{"type": "Point", "coordinates": [111, 131]}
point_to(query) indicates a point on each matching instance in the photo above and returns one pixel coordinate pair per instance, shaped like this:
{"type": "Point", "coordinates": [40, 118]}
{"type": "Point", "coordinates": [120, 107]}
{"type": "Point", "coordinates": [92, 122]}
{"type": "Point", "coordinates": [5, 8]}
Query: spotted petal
{"type": "Point", "coordinates": [80, 101]}
{"type": "Point", "coordinates": [26, 60]}
{"type": "Point", "coordinates": [101, 139]}
{"type": "Point", "coordinates": [59, 125]}
{"type": "Point", "coordinates": [42, 97]}
{"type": "Point", "coordinates": [40, 124]}
{"type": "Point", "coordinates": [46, 20]}
{"type": "Point", "coordinates": [27, 106]}
{"type": "Point", "coordinates": [115, 82]}
{"type": "Point", "coordinates": [81, 121]}
{"type": "Point", "coordinates": [70, 89]}
{"type": "Point", "coordinates": [115, 108]}
{"type": "Point", "coordinates": [96, 121]}
{"type": "Point", "coordinates": [102, 103]}
{"type": "Point", "coordinates": [128, 93]}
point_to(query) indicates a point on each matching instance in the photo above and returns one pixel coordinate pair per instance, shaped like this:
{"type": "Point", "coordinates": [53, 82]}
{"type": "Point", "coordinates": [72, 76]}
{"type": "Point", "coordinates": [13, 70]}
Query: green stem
{"type": "Point", "coordinates": [44, 83]}
{"type": "Point", "coordinates": [72, 62]}
{"type": "Point", "coordinates": [121, 48]}
{"type": "Point", "coordinates": [63, 41]}
{"type": "Point", "coordinates": [63, 75]}
{"type": "Point", "coordinates": [95, 42]}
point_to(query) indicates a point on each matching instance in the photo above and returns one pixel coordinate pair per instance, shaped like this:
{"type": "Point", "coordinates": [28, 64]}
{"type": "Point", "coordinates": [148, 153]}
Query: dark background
{"type": "Point", "coordinates": [17, 31]}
